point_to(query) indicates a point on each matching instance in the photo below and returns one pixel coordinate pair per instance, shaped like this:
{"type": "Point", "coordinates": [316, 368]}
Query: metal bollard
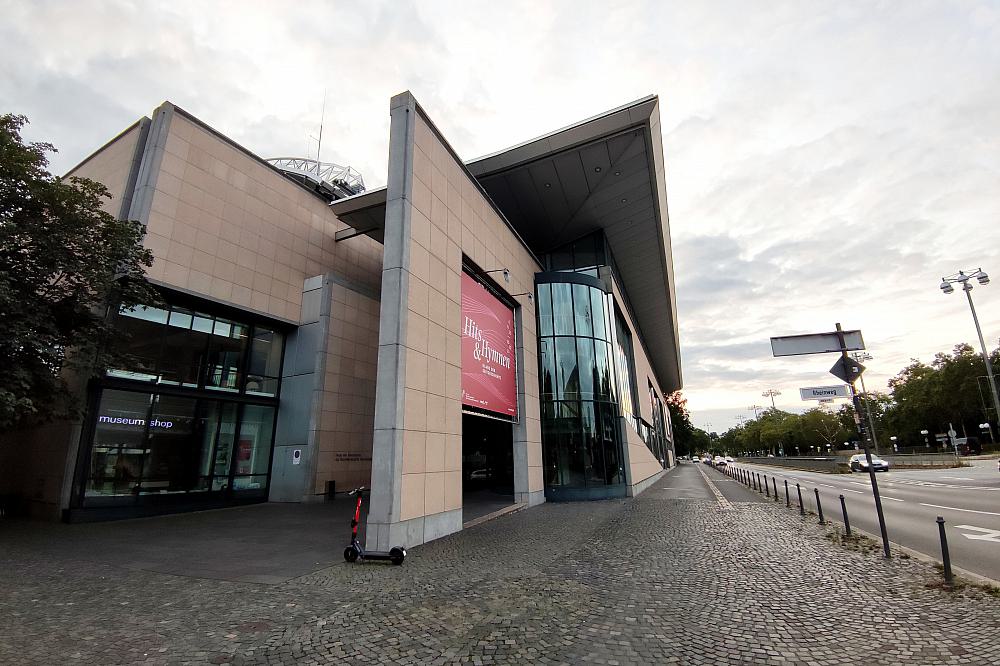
{"type": "Point", "coordinates": [802, 508]}
{"type": "Point", "coordinates": [945, 556]}
{"type": "Point", "coordinates": [788, 498]}
{"type": "Point", "coordinates": [767, 488]}
{"type": "Point", "coordinates": [774, 482]}
{"type": "Point", "coordinates": [756, 481]}
{"type": "Point", "coordinates": [847, 521]}
{"type": "Point", "coordinates": [819, 507]}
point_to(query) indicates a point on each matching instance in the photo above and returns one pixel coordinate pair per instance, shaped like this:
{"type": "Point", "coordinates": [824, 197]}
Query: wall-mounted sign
{"type": "Point", "coordinates": [824, 393]}
{"type": "Point", "coordinates": [489, 369]}
{"type": "Point", "coordinates": [139, 423]}
{"type": "Point", "coordinates": [296, 456]}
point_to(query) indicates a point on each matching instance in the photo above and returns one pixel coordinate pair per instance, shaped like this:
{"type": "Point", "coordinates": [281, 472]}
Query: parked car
{"type": "Point", "coordinates": [695, 459]}
{"type": "Point", "coordinates": [729, 459]}
{"type": "Point", "coordinates": [859, 463]}
{"type": "Point", "coordinates": [707, 460]}
{"type": "Point", "coordinates": [719, 461]}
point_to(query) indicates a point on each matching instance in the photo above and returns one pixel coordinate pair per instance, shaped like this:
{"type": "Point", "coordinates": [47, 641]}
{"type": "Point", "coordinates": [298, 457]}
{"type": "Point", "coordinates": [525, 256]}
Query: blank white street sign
{"type": "Point", "coordinates": [815, 343]}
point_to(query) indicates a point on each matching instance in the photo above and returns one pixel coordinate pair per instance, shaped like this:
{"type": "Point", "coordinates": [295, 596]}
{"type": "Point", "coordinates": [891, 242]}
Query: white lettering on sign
{"type": "Point", "coordinates": [119, 420]}
{"type": "Point", "coordinates": [823, 392]}
{"type": "Point", "coordinates": [987, 535]}
{"type": "Point", "coordinates": [483, 348]}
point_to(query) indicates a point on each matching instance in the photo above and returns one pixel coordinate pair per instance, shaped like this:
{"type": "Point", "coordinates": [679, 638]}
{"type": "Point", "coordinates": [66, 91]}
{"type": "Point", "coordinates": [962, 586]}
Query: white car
{"type": "Point", "coordinates": [859, 463]}
{"type": "Point", "coordinates": [729, 459]}
{"type": "Point", "coordinates": [720, 461]}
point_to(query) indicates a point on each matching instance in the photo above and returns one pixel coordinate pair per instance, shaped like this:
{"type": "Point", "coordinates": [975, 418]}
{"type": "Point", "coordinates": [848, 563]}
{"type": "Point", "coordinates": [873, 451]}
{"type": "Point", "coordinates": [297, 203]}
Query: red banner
{"type": "Point", "coordinates": [489, 368]}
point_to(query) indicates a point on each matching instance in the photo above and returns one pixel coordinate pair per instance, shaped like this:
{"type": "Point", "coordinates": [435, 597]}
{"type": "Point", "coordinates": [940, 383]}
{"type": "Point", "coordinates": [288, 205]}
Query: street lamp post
{"type": "Point", "coordinates": [895, 447]}
{"type": "Point", "coordinates": [755, 409]}
{"type": "Point", "coordinates": [987, 428]}
{"type": "Point", "coordinates": [925, 433]}
{"type": "Point", "coordinates": [859, 357]}
{"type": "Point", "coordinates": [983, 279]}
{"type": "Point", "coordinates": [770, 393]}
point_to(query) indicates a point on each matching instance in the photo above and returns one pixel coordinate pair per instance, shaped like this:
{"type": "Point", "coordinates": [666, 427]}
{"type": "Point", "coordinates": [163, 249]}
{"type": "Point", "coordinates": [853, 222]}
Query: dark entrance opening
{"type": "Point", "coordinates": [487, 465]}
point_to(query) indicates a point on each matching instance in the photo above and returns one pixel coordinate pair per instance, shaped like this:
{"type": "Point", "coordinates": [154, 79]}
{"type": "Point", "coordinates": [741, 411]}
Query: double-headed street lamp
{"type": "Point", "coordinates": [755, 409]}
{"type": "Point", "coordinates": [965, 280]}
{"type": "Point", "coordinates": [770, 393]}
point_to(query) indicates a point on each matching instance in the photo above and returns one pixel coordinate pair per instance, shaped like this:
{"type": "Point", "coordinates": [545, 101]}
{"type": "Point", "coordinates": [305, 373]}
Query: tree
{"type": "Point", "coordinates": [63, 262]}
{"type": "Point", "coordinates": [684, 431]}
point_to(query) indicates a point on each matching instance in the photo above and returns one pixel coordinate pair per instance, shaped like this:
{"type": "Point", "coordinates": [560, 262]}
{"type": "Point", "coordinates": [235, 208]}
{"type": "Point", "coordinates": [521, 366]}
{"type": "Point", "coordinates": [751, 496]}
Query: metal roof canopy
{"type": "Point", "coordinates": [604, 173]}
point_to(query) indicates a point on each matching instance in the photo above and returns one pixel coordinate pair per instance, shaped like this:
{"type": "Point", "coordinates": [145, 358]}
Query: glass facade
{"type": "Point", "coordinates": [182, 347]}
{"type": "Point", "coordinates": [189, 417]}
{"type": "Point", "coordinates": [587, 376]}
{"type": "Point", "coordinates": [582, 446]}
{"type": "Point", "coordinates": [157, 444]}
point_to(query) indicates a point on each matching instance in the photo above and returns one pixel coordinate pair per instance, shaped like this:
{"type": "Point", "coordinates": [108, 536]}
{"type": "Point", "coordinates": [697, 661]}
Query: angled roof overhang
{"type": "Point", "coordinates": [604, 173]}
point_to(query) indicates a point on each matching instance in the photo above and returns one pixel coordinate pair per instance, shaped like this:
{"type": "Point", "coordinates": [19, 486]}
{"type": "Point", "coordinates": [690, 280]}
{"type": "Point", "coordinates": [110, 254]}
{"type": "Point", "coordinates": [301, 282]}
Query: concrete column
{"type": "Point", "coordinates": [387, 448]}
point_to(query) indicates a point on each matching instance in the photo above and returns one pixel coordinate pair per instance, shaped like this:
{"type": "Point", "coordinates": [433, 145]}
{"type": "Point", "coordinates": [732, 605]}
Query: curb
{"type": "Point", "coordinates": [924, 557]}
{"type": "Point", "coordinates": [917, 555]}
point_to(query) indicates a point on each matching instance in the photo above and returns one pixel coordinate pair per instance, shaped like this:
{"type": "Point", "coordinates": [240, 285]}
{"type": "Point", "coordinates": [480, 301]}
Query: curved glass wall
{"type": "Point", "coordinates": [582, 447]}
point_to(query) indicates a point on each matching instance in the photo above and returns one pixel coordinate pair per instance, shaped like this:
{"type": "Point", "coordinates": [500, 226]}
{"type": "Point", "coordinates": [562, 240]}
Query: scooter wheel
{"type": "Point", "coordinates": [397, 555]}
{"type": "Point", "coordinates": [350, 554]}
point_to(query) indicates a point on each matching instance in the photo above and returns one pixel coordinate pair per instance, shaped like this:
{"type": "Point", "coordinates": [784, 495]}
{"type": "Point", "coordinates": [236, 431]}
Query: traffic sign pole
{"type": "Point", "coordinates": [864, 440]}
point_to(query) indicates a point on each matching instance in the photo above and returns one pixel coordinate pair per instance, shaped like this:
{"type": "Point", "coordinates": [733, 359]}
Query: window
{"type": "Point", "coordinates": [183, 347]}
{"type": "Point", "coordinates": [580, 433]}
{"type": "Point", "coordinates": [625, 370]}
{"type": "Point", "coordinates": [152, 445]}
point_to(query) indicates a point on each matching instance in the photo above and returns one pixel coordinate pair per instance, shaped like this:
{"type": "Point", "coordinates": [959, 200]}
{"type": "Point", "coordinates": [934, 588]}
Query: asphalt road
{"type": "Point", "coordinates": [966, 497]}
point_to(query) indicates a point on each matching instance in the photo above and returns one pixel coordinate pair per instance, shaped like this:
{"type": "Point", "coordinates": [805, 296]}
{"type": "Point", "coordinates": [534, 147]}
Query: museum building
{"type": "Point", "coordinates": [474, 336]}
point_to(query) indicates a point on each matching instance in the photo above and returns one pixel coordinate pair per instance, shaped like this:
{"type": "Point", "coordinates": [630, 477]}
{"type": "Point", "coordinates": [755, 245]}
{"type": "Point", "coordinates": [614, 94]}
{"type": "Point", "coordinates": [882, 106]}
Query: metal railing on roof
{"type": "Point", "coordinates": [335, 175]}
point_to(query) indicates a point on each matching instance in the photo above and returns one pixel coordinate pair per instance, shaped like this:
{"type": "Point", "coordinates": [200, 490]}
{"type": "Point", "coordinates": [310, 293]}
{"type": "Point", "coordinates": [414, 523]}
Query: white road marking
{"type": "Point", "coordinates": [955, 508]}
{"type": "Point", "coordinates": [848, 490]}
{"type": "Point", "coordinates": [855, 483]}
{"type": "Point", "coordinates": [892, 499]}
{"type": "Point", "coordinates": [825, 484]}
{"type": "Point", "coordinates": [959, 478]}
{"type": "Point", "coordinates": [987, 535]}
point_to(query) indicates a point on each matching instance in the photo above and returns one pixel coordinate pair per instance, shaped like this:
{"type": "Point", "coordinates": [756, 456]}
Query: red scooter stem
{"type": "Point", "coordinates": [357, 518]}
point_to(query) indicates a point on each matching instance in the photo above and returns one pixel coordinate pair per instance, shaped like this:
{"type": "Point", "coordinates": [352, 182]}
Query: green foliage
{"type": "Point", "coordinates": [688, 440]}
{"type": "Point", "coordinates": [776, 432]}
{"type": "Point", "coordinates": [952, 389]}
{"type": "Point", "coordinates": [63, 261]}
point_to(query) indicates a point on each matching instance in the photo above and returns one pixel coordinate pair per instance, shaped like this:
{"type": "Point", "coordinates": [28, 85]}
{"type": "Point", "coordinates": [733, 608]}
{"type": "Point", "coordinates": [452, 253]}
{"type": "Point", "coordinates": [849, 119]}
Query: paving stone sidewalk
{"type": "Point", "coordinates": [652, 580]}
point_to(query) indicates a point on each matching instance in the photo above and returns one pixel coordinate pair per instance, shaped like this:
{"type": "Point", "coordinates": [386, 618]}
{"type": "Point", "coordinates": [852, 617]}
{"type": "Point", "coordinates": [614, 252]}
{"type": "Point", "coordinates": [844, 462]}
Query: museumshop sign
{"type": "Point", "coordinates": [488, 366]}
{"type": "Point", "coordinates": [139, 423]}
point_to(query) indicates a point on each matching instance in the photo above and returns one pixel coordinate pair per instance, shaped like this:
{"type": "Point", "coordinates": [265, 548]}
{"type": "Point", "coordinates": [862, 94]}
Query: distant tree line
{"type": "Point", "coordinates": [951, 390]}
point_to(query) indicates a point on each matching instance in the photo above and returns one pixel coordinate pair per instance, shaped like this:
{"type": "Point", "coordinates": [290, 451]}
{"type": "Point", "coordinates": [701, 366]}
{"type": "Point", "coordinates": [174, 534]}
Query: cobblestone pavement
{"type": "Point", "coordinates": [658, 579]}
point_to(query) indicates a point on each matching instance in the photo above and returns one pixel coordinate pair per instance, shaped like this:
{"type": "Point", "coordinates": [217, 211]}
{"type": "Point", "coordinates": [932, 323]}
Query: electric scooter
{"type": "Point", "coordinates": [356, 551]}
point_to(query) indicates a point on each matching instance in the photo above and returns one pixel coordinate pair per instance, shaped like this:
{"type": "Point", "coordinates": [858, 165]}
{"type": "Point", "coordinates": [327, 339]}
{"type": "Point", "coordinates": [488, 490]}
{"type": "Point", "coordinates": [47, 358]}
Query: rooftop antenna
{"type": "Point", "coordinates": [319, 139]}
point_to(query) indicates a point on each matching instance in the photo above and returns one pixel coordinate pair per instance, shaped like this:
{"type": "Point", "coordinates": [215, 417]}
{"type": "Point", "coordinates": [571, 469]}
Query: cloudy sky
{"type": "Point", "coordinates": [827, 161]}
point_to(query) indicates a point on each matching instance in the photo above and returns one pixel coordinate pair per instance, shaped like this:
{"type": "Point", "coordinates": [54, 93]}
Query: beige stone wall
{"type": "Point", "coordinates": [111, 166]}
{"type": "Point", "coordinates": [32, 466]}
{"type": "Point", "coordinates": [641, 460]}
{"type": "Point", "coordinates": [227, 225]}
{"type": "Point", "coordinates": [451, 217]}
{"type": "Point", "coordinates": [345, 425]}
